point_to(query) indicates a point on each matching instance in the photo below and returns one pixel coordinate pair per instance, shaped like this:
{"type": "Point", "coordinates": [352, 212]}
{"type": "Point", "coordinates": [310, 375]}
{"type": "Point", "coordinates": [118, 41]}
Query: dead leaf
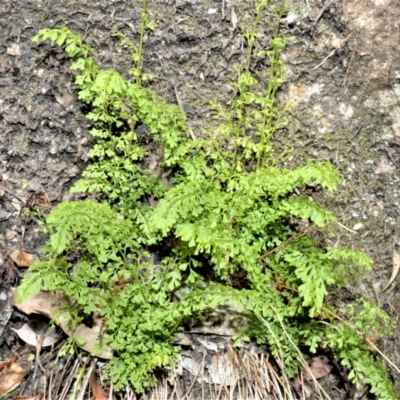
{"type": "Point", "coordinates": [65, 100]}
{"type": "Point", "coordinates": [328, 145]}
{"type": "Point", "coordinates": [384, 167]}
{"type": "Point", "coordinates": [358, 226]}
{"type": "Point", "coordinates": [87, 338]}
{"type": "Point", "coordinates": [16, 204]}
{"type": "Point", "coordinates": [48, 304]}
{"type": "Point", "coordinates": [380, 205]}
{"type": "Point", "coordinates": [191, 365]}
{"type": "Point", "coordinates": [45, 303]}
{"type": "Point", "coordinates": [21, 258]}
{"type": "Point", "coordinates": [38, 200]}
{"type": "Point", "coordinates": [31, 332]}
{"type": "Point", "coordinates": [38, 397]}
{"type": "Point", "coordinates": [14, 50]}
{"type": "Point", "coordinates": [5, 366]}
{"type": "Point", "coordinates": [395, 270]}
{"type": "Point", "coordinates": [98, 321]}
{"type": "Point", "coordinates": [98, 391]}
{"type": "Point", "coordinates": [318, 367]}
{"type": "Point", "coordinates": [182, 339]}
{"type": "Point", "coordinates": [11, 376]}
{"type": "Point", "coordinates": [4, 63]}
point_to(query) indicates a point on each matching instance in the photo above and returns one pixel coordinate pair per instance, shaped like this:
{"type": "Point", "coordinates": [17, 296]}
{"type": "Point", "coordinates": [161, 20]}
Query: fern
{"type": "Point", "coordinates": [227, 211]}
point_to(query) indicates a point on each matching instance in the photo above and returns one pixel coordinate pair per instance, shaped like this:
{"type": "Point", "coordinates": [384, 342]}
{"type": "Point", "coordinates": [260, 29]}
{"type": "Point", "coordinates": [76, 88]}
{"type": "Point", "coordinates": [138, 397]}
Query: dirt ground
{"type": "Point", "coordinates": [343, 83]}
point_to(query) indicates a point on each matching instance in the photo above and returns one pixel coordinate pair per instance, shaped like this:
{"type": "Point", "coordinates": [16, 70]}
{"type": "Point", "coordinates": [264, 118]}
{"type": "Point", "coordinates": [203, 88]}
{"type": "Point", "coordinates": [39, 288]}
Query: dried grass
{"type": "Point", "coordinates": [256, 378]}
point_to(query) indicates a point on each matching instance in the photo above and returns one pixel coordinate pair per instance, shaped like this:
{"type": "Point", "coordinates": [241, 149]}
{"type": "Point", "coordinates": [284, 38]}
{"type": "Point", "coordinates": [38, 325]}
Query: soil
{"type": "Point", "coordinates": [343, 84]}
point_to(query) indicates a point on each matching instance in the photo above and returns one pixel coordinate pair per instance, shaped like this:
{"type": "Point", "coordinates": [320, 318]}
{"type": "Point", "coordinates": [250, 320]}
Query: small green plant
{"type": "Point", "coordinates": [229, 212]}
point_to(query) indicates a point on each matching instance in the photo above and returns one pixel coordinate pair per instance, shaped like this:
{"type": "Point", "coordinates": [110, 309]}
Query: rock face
{"type": "Point", "coordinates": [345, 90]}
{"type": "Point", "coordinates": [343, 68]}
{"type": "Point", "coordinates": [377, 69]}
{"type": "Point", "coordinates": [376, 34]}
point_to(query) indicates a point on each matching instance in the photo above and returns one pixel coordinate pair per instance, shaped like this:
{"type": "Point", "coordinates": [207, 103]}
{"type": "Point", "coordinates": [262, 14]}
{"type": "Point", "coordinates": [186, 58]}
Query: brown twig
{"type": "Point", "coordinates": [178, 99]}
{"type": "Point", "coordinates": [39, 348]}
{"type": "Point", "coordinates": [349, 66]}
{"type": "Point", "coordinates": [9, 191]}
{"type": "Point", "coordinates": [369, 343]}
{"type": "Point", "coordinates": [332, 53]}
{"type": "Point", "coordinates": [351, 326]}
{"type": "Point", "coordinates": [323, 9]}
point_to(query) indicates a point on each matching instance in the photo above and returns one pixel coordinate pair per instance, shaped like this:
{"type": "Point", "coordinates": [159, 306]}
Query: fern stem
{"type": "Point", "coordinates": [251, 38]}
{"type": "Point", "coordinates": [293, 239]}
{"type": "Point", "coordinates": [367, 341]}
{"type": "Point", "coordinates": [273, 85]}
{"type": "Point", "coordinates": [143, 25]}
